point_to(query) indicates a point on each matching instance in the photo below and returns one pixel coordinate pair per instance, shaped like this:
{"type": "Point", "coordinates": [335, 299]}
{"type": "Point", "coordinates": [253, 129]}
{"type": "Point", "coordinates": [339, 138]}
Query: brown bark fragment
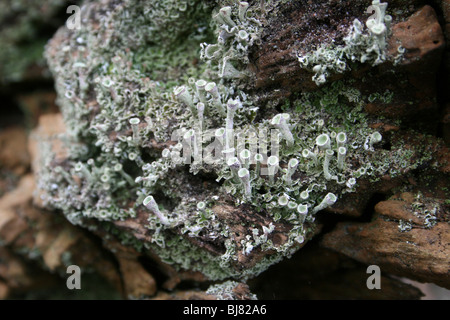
{"type": "Point", "coordinates": [420, 254]}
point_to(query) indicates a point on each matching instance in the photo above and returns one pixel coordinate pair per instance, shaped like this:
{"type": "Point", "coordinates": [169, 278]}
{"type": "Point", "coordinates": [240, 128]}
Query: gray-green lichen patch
{"type": "Point", "coordinates": [228, 291]}
{"type": "Point", "coordinates": [360, 46]}
{"type": "Point", "coordinates": [426, 210]}
{"type": "Point", "coordinates": [161, 129]}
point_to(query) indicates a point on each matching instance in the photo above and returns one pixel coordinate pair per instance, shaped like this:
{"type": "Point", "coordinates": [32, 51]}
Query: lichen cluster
{"type": "Point", "coordinates": [424, 209]}
{"type": "Point", "coordinates": [359, 46]}
{"type": "Point", "coordinates": [148, 124]}
{"type": "Point", "coordinates": [226, 291]}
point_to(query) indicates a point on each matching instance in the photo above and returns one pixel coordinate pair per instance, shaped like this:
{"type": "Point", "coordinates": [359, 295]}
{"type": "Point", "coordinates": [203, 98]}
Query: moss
{"type": "Point", "coordinates": [25, 27]}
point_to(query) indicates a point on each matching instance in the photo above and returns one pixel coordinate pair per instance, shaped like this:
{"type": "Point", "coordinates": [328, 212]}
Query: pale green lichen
{"type": "Point", "coordinates": [360, 46]}
{"type": "Point", "coordinates": [144, 90]}
{"type": "Point", "coordinates": [405, 225]}
{"type": "Point", "coordinates": [226, 291]}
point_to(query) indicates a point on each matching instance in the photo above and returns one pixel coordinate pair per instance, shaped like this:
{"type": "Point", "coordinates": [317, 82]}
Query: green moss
{"type": "Point", "coordinates": [24, 32]}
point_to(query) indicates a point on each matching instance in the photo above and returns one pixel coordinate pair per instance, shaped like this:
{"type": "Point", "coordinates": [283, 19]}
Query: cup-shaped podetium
{"type": "Point", "coordinates": [150, 203]}
{"type": "Point", "coordinates": [375, 138]}
{"type": "Point", "coordinates": [327, 201]}
{"type": "Point", "coordinates": [272, 167]}
{"type": "Point", "coordinates": [183, 95]}
{"type": "Point", "coordinates": [244, 175]}
{"type": "Point", "coordinates": [341, 139]}
{"type": "Point", "coordinates": [323, 141]}
{"type": "Point", "coordinates": [280, 121]}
